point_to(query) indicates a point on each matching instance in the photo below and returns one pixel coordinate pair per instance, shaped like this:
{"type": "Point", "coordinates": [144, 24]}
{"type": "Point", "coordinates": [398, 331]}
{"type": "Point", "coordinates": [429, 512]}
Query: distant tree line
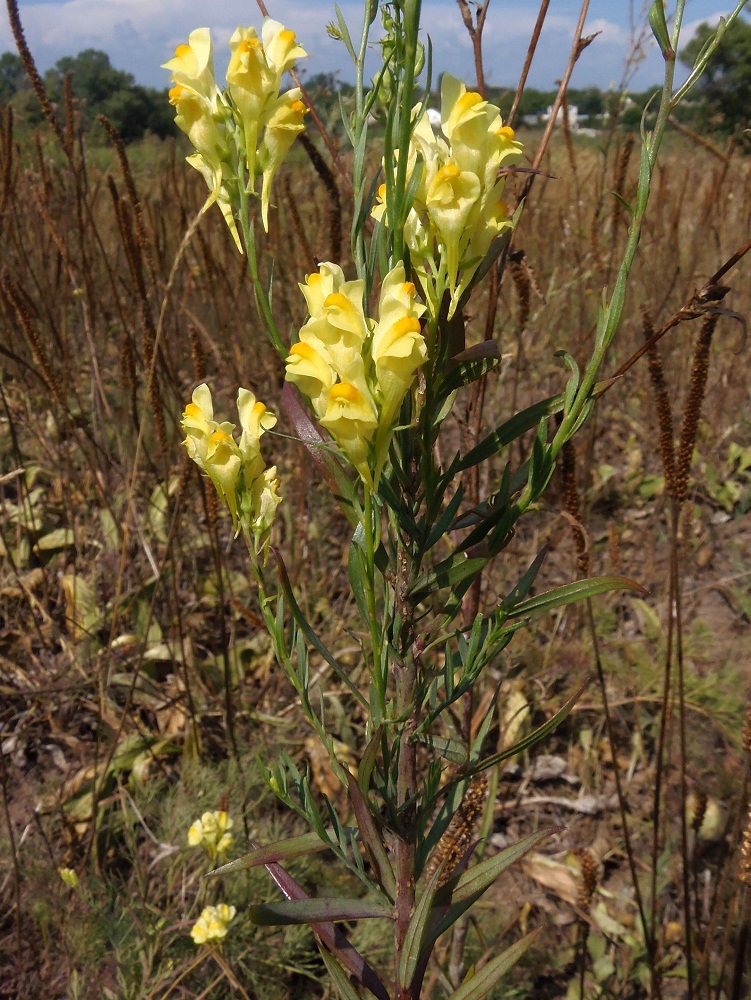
{"type": "Point", "coordinates": [722, 101]}
{"type": "Point", "coordinates": [97, 89]}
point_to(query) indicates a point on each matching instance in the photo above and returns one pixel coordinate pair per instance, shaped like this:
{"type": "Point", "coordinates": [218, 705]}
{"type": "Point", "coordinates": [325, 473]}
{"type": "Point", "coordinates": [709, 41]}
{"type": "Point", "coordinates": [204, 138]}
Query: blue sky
{"type": "Point", "coordinates": [138, 35]}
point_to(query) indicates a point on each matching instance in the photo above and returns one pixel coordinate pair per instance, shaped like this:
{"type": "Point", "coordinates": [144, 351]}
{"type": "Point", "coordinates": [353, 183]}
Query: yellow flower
{"type": "Point", "coordinates": [309, 371]}
{"type": "Point", "coordinates": [281, 131]}
{"type": "Point", "coordinates": [265, 499]}
{"type": "Point", "coordinates": [318, 286]}
{"type": "Point", "coordinates": [226, 128]}
{"type": "Point", "coordinates": [211, 832]}
{"type": "Point", "coordinates": [196, 99]}
{"type": "Point", "coordinates": [280, 45]}
{"type": "Point", "coordinates": [351, 419]}
{"type": "Point", "coordinates": [457, 210]}
{"type": "Point", "coordinates": [193, 66]}
{"type": "Point", "coordinates": [255, 420]}
{"type": "Point", "coordinates": [234, 467]}
{"type": "Point", "coordinates": [450, 199]}
{"type": "Point", "coordinates": [356, 372]}
{"type": "Point", "coordinates": [254, 75]}
{"type": "Point", "coordinates": [213, 923]}
{"type": "Point", "coordinates": [398, 349]}
{"type": "Point", "coordinates": [69, 877]}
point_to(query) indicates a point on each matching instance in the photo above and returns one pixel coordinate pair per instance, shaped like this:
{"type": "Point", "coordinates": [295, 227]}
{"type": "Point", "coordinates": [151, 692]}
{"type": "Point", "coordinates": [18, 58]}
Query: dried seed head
{"type": "Point", "coordinates": [523, 285]}
{"type": "Point", "coordinates": [747, 730]}
{"type": "Point", "coordinates": [744, 863]}
{"type": "Point", "coordinates": [588, 867]}
{"type": "Point", "coordinates": [692, 413]}
{"type": "Point", "coordinates": [571, 504]}
{"type": "Point", "coordinates": [662, 400]}
{"type": "Point", "coordinates": [455, 842]}
{"type": "Point", "coordinates": [334, 202]}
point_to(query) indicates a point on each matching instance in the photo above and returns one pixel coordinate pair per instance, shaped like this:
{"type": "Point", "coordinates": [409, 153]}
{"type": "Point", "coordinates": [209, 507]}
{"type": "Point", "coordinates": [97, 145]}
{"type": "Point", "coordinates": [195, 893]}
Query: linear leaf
{"type": "Point", "coordinates": [371, 838]}
{"type": "Point", "coordinates": [310, 911]}
{"type": "Point", "coordinates": [339, 977]}
{"type": "Point", "coordinates": [453, 750]}
{"type": "Point", "coordinates": [480, 877]}
{"type": "Point", "coordinates": [305, 627]}
{"type": "Point", "coordinates": [480, 985]}
{"type": "Point", "coordinates": [511, 430]}
{"type": "Point", "coordinates": [471, 365]}
{"type": "Point", "coordinates": [446, 574]}
{"type": "Point", "coordinates": [534, 737]}
{"type": "Point", "coordinates": [330, 935]}
{"type": "Point", "coordinates": [571, 592]}
{"type": "Point", "coordinates": [282, 850]}
{"type": "Point", "coordinates": [416, 930]}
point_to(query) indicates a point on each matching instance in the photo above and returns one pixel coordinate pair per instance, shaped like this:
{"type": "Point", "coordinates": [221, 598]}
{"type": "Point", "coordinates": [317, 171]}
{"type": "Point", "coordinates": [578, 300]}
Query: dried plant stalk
{"type": "Point", "coordinates": [699, 372]}
{"type": "Point", "coordinates": [662, 400]}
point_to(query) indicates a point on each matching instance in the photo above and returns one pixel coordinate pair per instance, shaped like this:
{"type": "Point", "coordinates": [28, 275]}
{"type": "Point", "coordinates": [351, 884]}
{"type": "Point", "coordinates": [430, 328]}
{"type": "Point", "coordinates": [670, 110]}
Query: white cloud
{"type": "Point", "coordinates": [138, 35]}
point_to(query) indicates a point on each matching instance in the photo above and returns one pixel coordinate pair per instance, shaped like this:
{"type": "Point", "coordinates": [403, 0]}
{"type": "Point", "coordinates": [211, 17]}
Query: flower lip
{"type": "Point", "coordinates": [347, 392]}
{"type": "Point", "coordinates": [337, 300]}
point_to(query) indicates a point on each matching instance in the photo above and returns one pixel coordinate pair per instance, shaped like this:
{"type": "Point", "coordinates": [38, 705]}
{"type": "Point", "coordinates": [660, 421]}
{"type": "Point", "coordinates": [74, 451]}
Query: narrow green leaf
{"type": "Point", "coordinates": [524, 586]}
{"type": "Point", "coordinates": [446, 574]}
{"type": "Point", "coordinates": [480, 985]}
{"type": "Point", "coordinates": [344, 30]}
{"type": "Point", "coordinates": [580, 590]}
{"type": "Point", "coordinates": [413, 939]}
{"type": "Point", "coordinates": [471, 365]}
{"type": "Point", "coordinates": [282, 850]}
{"type": "Point", "coordinates": [443, 523]}
{"type": "Point", "coordinates": [534, 737]}
{"type": "Point", "coordinates": [371, 837]}
{"type": "Point", "coordinates": [339, 977]}
{"type": "Point", "coordinates": [330, 934]}
{"type": "Point", "coordinates": [659, 27]}
{"type": "Point", "coordinates": [509, 431]}
{"type": "Point", "coordinates": [368, 762]}
{"type": "Point", "coordinates": [480, 877]}
{"type": "Point", "coordinates": [305, 627]}
{"type": "Point", "coordinates": [453, 750]}
{"type": "Point", "coordinates": [311, 911]}
{"type": "Point", "coordinates": [356, 569]}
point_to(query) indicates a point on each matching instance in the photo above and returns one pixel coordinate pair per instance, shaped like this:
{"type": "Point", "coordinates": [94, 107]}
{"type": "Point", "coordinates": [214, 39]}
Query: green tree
{"type": "Point", "coordinates": [98, 88]}
{"type": "Point", "coordinates": [12, 76]}
{"type": "Point", "coordinates": [725, 89]}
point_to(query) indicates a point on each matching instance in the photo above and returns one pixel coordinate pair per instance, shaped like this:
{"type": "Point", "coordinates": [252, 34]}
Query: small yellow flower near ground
{"type": "Point", "coordinates": [213, 923]}
{"type": "Point", "coordinates": [211, 832]}
{"type": "Point", "coordinates": [69, 877]}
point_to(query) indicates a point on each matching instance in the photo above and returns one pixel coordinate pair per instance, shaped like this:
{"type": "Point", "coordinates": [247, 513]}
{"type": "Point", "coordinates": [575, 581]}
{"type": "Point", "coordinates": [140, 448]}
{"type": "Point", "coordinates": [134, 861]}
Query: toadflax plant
{"type": "Point", "coordinates": [371, 377]}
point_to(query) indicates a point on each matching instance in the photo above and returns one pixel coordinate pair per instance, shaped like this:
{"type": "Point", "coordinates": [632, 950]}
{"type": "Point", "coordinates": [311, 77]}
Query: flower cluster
{"type": "Point", "coordinates": [213, 923]}
{"type": "Point", "coordinates": [211, 832]}
{"type": "Point", "coordinates": [458, 209]}
{"type": "Point", "coordinates": [249, 127]}
{"type": "Point", "coordinates": [235, 467]}
{"type": "Point", "coordinates": [356, 371]}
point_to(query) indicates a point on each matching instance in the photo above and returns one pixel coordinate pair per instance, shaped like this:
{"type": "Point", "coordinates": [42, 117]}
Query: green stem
{"type": "Point", "coordinates": [610, 316]}
{"type": "Point", "coordinates": [405, 99]}
{"type": "Point", "coordinates": [378, 705]}
{"type": "Point", "coordinates": [262, 302]}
